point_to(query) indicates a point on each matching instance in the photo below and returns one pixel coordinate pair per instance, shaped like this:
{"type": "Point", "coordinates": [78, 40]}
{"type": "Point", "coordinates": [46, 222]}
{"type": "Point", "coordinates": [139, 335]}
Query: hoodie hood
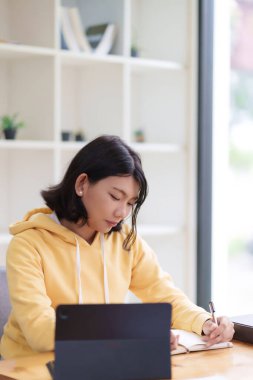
{"type": "Point", "coordinates": [40, 219]}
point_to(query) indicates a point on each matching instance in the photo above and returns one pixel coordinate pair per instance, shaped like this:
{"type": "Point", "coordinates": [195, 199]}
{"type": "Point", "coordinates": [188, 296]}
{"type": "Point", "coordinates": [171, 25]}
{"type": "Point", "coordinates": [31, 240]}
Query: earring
{"type": "Point", "coordinates": [81, 193]}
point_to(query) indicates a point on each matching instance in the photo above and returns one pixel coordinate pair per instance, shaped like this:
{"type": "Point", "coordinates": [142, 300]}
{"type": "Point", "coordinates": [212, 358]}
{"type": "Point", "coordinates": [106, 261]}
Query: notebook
{"type": "Point", "coordinates": [190, 342]}
{"type": "Point", "coordinates": [113, 342]}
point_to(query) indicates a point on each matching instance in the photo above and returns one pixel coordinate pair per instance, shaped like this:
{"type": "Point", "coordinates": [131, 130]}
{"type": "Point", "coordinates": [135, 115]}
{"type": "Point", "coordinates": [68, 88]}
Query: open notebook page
{"type": "Point", "coordinates": [189, 341]}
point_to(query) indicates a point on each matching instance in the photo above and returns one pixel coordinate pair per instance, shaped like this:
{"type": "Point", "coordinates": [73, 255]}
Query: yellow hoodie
{"type": "Point", "coordinates": [41, 269]}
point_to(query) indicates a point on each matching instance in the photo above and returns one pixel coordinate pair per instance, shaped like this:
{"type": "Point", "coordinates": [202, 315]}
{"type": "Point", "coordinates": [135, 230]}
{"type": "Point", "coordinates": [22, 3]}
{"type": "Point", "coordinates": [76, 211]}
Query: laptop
{"type": "Point", "coordinates": [113, 342]}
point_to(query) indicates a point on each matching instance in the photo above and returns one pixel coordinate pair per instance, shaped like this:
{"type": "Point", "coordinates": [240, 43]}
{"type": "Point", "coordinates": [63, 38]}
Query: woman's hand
{"type": "Point", "coordinates": [223, 332]}
{"type": "Point", "coordinates": [173, 340]}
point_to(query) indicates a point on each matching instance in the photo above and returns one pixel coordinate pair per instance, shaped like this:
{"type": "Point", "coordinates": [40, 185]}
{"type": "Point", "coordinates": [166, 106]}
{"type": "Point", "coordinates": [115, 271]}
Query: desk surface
{"type": "Point", "coordinates": [231, 363]}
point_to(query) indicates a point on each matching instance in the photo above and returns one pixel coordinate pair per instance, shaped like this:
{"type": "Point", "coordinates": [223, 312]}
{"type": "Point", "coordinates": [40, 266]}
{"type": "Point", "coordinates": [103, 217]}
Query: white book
{"type": "Point", "coordinates": [107, 40]}
{"type": "Point", "coordinates": [190, 342]}
{"type": "Point", "coordinates": [67, 31]}
{"type": "Point", "coordinates": [78, 29]}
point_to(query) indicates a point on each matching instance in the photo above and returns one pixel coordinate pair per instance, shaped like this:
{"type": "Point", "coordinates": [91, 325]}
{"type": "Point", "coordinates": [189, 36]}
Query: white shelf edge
{"type": "Point", "coordinates": [26, 144]}
{"type": "Point", "coordinates": [140, 147]}
{"type": "Point", "coordinates": [158, 148]}
{"type": "Point", "coordinates": [70, 57]}
{"type": "Point", "coordinates": [139, 63]}
{"type": "Point", "coordinates": [154, 230]}
{"type": "Point", "coordinates": [15, 50]}
{"type": "Point", "coordinates": [72, 145]}
{"type": "Point", "coordinates": [67, 56]}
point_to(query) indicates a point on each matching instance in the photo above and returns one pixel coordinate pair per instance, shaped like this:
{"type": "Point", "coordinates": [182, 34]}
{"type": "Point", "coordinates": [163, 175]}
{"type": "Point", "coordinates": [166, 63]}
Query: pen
{"type": "Point", "coordinates": [212, 311]}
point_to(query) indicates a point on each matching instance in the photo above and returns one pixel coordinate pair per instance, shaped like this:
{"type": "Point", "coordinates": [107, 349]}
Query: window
{"type": "Point", "coordinates": [232, 222]}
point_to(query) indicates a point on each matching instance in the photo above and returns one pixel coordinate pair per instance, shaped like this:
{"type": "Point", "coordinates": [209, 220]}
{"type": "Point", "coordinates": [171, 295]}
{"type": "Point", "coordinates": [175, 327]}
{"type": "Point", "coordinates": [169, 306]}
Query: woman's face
{"type": "Point", "coordinates": [108, 201]}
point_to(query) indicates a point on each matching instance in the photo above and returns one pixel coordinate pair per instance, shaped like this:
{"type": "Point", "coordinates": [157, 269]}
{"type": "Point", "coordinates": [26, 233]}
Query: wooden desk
{"type": "Point", "coordinates": [231, 363]}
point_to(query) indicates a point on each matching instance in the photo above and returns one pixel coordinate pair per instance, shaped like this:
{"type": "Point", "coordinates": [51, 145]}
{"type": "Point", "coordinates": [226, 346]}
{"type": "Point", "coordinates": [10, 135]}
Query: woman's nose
{"type": "Point", "coordinates": [121, 211]}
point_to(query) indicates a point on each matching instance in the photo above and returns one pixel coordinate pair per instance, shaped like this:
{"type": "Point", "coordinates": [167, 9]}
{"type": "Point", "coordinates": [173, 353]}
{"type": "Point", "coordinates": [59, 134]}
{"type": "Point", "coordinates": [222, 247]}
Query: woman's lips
{"type": "Point", "coordinates": [111, 223]}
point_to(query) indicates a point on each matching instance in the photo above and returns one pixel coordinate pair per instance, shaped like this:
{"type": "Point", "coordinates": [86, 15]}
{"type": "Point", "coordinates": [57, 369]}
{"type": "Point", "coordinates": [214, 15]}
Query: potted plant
{"type": "Point", "coordinates": [134, 50]}
{"type": "Point", "coordinates": [66, 135]}
{"type": "Point", "coordinates": [139, 135]}
{"type": "Point", "coordinates": [9, 125]}
{"type": "Point", "coordinates": [79, 136]}
{"type": "Point", "coordinates": [135, 47]}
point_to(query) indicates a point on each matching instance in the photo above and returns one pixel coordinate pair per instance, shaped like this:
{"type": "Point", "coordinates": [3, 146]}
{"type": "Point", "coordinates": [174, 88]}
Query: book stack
{"type": "Point", "coordinates": [97, 39]}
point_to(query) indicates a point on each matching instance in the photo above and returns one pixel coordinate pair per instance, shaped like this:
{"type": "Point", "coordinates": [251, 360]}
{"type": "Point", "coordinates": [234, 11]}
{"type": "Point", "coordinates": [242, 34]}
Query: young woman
{"type": "Point", "coordinates": [78, 250]}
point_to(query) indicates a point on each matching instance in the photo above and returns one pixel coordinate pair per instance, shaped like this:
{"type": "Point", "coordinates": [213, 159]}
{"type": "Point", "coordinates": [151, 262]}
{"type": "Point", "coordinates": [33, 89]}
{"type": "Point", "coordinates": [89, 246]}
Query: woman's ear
{"type": "Point", "coordinates": [81, 184]}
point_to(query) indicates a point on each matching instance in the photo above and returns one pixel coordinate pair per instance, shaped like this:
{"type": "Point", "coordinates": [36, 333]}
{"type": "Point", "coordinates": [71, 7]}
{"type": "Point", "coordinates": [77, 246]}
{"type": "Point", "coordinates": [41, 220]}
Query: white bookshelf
{"type": "Point", "coordinates": [55, 90]}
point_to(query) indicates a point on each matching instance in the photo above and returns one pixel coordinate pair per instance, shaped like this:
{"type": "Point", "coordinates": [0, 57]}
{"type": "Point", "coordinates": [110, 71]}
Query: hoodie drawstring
{"type": "Point", "coordinates": [78, 265]}
{"type": "Point", "coordinates": [106, 287]}
{"type": "Point", "coordinates": [78, 269]}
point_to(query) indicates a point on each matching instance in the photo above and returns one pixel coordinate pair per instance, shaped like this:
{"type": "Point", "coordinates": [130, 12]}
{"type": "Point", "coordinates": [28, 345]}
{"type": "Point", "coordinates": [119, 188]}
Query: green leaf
{"type": "Point", "coordinates": [10, 122]}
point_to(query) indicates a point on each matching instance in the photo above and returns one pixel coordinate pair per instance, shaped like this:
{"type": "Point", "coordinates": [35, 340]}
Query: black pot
{"type": "Point", "coordinates": [134, 52]}
{"type": "Point", "coordinates": [79, 137]}
{"type": "Point", "coordinates": [66, 136]}
{"type": "Point", "coordinates": [10, 133]}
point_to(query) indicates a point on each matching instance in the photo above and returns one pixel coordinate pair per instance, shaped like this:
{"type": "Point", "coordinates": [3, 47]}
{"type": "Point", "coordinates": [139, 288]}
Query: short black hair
{"type": "Point", "coordinates": [103, 157]}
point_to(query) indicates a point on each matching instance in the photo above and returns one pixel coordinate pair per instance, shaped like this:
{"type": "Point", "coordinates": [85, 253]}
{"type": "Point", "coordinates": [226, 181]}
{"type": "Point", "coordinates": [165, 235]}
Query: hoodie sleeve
{"type": "Point", "coordinates": [30, 303]}
{"type": "Point", "coordinates": [151, 284]}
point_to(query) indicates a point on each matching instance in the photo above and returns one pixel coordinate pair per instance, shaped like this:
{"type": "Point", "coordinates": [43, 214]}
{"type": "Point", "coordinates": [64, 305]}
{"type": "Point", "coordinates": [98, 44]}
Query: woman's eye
{"type": "Point", "coordinates": [113, 197]}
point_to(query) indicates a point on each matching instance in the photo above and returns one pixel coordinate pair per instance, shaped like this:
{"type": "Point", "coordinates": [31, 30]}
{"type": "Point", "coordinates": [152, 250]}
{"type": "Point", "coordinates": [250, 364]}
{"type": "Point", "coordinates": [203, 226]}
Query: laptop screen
{"type": "Point", "coordinates": [116, 341]}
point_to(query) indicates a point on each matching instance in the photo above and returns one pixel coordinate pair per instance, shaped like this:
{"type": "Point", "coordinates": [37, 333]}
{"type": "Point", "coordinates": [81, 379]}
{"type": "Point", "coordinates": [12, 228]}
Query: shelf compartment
{"type": "Point", "coordinates": [160, 29]}
{"type": "Point", "coordinates": [159, 106]}
{"type": "Point", "coordinates": [24, 173]}
{"type": "Point", "coordinates": [166, 200]}
{"type": "Point", "coordinates": [92, 99]}
{"type": "Point", "coordinates": [170, 251]}
{"type": "Point", "coordinates": [28, 22]}
{"type": "Point", "coordinates": [27, 88]}
{"type": "Point", "coordinates": [105, 11]}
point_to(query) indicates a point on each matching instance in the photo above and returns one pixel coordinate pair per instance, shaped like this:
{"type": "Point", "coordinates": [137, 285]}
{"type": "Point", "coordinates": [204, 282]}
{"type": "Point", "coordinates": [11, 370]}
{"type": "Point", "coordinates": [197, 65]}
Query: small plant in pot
{"type": "Point", "coordinates": [9, 125]}
{"type": "Point", "coordinates": [79, 136]}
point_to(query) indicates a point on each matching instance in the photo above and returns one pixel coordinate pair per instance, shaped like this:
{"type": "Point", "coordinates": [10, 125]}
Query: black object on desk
{"type": "Point", "coordinates": [243, 325]}
{"type": "Point", "coordinates": [115, 341]}
{"type": "Point", "coordinates": [50, 367]}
